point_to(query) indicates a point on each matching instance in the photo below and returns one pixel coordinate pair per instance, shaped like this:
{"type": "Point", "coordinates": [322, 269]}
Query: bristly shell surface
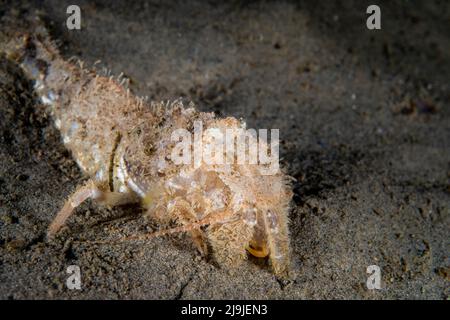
{"type": "Point", "coordinates": [124, 145]}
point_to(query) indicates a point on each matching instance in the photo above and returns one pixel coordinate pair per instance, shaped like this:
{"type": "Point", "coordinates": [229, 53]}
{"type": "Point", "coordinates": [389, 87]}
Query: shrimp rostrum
{"type": "Point", "coordinates": [168, 157]}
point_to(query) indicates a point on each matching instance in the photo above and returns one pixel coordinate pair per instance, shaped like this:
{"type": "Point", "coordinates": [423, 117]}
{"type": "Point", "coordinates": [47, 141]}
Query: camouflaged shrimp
{"type": "Point", "coordinates": [124, 145]}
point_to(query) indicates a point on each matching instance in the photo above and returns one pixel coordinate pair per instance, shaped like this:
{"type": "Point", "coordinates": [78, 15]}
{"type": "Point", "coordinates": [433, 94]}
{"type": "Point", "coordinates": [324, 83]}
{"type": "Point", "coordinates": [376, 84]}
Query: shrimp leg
{"type": "Point", "coordinates": [91, 190]}
{"type": "Point", "coordinates": [187, 215]}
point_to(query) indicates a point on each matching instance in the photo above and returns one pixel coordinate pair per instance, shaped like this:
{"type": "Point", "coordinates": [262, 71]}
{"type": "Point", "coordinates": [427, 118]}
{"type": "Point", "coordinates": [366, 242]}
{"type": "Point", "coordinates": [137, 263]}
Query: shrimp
{"type": "Point", "coordinates": [124, 144]}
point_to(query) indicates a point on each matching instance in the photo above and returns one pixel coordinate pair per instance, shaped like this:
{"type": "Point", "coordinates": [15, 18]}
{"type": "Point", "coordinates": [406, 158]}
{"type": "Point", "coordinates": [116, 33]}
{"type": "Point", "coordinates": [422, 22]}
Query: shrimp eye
{"type": "Point", "coordinates": [258, 252]}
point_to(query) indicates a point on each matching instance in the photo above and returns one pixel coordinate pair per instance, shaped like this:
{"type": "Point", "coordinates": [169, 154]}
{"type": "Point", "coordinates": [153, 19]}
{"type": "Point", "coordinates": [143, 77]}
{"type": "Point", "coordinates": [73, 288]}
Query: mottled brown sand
{"type": "Point", "coordinates": [365, 126]}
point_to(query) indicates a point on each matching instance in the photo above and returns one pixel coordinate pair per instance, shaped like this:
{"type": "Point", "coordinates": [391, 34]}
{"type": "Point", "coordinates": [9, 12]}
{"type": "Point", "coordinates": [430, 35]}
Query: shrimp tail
{"type": "Point", "coordinates": [26, 40]}
{"type": "Point", "coordinates": [18, 33]}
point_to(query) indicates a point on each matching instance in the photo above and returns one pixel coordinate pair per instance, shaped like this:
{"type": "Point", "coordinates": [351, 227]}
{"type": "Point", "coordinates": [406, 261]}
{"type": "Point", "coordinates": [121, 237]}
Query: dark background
{"type": "Point", "coordinates": [364, 123]}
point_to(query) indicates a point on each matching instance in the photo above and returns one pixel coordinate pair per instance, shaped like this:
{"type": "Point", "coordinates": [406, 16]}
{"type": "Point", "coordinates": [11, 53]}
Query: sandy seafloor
{"type": "Point", "coordinates": [364, 124]}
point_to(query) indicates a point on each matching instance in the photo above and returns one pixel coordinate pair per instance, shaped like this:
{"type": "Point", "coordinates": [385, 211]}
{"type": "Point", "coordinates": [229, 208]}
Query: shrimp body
{"type": "Point", "coordinates": [125, 145]}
